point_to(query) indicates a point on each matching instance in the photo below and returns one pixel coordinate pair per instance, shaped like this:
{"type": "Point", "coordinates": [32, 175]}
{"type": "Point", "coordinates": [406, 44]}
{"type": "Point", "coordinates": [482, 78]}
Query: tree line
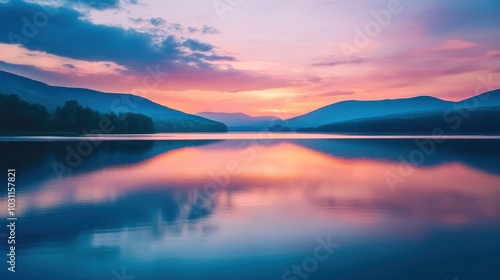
{"type": "Point", "coordinates": [485, 120]}
{"type": "Point", "coordinates": [19, 116]}
{"type": "Point", "coordinates": [189, 125]}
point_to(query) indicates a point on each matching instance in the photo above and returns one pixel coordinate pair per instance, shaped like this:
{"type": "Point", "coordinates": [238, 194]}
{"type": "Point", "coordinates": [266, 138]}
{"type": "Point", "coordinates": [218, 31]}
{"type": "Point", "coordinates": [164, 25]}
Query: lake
{"type": "Point", "coordinates": [254, 206]}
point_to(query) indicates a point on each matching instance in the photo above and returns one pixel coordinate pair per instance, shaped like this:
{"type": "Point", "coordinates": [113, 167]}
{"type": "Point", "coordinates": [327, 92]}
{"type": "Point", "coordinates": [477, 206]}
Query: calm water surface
{"type": "Point", "coordinates": [255, 209]}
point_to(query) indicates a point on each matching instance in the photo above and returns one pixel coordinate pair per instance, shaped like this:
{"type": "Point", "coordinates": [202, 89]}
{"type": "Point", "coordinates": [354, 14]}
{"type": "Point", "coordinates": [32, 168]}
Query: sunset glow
{"type": "Point", "coordinates": [260, 57]}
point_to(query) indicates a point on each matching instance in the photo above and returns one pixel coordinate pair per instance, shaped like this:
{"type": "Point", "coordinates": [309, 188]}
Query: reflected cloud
{"type": "Point", "coordinates": [157, 195]}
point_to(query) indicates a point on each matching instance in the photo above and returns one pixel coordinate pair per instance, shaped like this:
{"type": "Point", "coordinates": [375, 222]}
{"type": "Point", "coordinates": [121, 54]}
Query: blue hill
{"type": "Point", "coordinates": [349, 110]}
{"type": "Point", "coordinates": [53, 96]}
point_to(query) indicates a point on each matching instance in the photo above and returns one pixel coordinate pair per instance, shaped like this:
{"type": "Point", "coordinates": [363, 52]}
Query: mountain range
{"type": "Point", "coordinates": [242, 122]}
{"type": "Point", "coordinates": [165, 118]}
{"type": "Point", "coordinates": [404, 115]}
{"type": "Point", "coordinates": [353, 109]}
{"type": "Point", "coordinates": [479, 113]}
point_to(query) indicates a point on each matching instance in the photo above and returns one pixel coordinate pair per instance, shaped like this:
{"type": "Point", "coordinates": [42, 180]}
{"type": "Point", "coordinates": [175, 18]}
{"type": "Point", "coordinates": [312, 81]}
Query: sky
{"type": "Point", "coordinates": [260, 57]}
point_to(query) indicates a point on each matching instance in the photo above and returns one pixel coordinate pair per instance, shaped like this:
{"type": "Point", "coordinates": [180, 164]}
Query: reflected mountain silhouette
{"type": "Point", "coordinates": [35, 160]}
{"type": "Point", "coordinates": [120, 199]}
{"type": "Point", "coordinates": [483, 154]}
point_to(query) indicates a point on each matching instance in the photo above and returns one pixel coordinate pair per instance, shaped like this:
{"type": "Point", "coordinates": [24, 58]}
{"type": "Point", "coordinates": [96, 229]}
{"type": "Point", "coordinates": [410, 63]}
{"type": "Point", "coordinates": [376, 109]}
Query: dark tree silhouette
{"type": "Point", "coordinates": [18, 116]}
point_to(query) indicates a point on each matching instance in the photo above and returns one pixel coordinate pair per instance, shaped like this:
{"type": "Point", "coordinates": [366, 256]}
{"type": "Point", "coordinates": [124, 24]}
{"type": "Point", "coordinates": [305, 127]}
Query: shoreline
{"type": "Point", "coordinates": [258, 136]}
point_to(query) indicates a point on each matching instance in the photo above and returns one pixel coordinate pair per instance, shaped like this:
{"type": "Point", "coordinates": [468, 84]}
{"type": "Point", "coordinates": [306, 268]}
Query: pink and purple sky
{"type": "Point", "coordinates": [258, 57]}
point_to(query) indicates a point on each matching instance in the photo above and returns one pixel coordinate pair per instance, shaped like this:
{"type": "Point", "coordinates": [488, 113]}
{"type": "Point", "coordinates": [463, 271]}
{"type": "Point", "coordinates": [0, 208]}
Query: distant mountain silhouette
{"type": "Point", "coordinates": [482, 120]}
{"type": "Point", "coordinates": [166, 119]}
{"type": "Point", "coordinates": [410, 115]}
{"type": "Point", "coordinates": [349, 110]}
{"type": "Point", "coordinates": [406, 115]}
{"type": "Point", "coordinates": [242, 122]}
{"type": "Point", "coordinates": [487, 99]}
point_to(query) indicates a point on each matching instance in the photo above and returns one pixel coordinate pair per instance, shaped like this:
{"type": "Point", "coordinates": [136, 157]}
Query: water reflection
{"type": "Point", "coordinates": [138, 204]}
{"type": "Point", "coordinates": [37, 159]}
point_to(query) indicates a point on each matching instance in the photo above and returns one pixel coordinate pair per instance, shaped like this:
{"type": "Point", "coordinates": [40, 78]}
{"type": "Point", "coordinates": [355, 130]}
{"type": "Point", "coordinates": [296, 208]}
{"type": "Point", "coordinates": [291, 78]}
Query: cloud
{"type": "Point", "coordinates": [158, 28]}
{"type": "Point", "coordinates": [337, 93]}
{"type": "Point", "coordinates": [214, 57]}
{"type": "Point", "coordinates": [354, 60]}
{"type": "Point", "coordinates": [133, 2]}
{"type": "Point", "coordinates": [181, 80]}
{"type": "Point", "coordinates": [98, 52]}
{"type": "Point", "coordinates": [205, 29]}
{"type": "Point", "coordinates": [67, 34]}
{"type": "Point", "coordinates": [193, 29]}
{"type": "Point", "coordinates": [315, 80]}
{"type": "Point", "coordinates": [157, 21]}
{"type": "Point", "coordinates": [196, 45]}
{"type": "Point", "coordinates": [492, 54]}
{"type": "Point", "coordinates": [15, 54]}
{"type": "Point", "coordinates": [460, 17]}
{"type": "Point", "coordinates": [209, 30]}
{"type": "Point", "coordinates": [95, 4]}
{"type": "Point", "coordinates": [450, 48]}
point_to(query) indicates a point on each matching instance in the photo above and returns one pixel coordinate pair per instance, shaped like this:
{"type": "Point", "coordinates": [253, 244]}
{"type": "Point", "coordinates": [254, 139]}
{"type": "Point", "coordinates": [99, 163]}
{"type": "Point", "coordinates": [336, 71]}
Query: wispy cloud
{"type": "Point", "coordinates": [337, 93]}
{"type": "Point", "coordinates": [354, 60]}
